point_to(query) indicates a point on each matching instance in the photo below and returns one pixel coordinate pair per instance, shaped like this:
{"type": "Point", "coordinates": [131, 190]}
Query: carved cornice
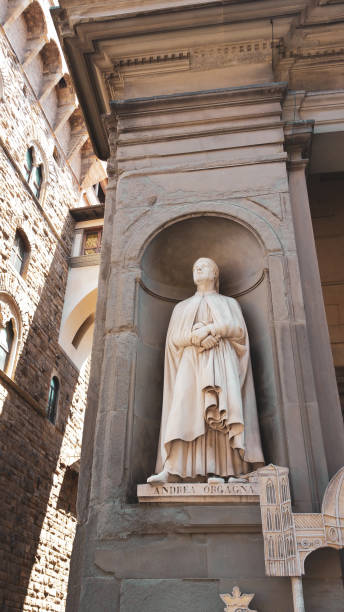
{"type": "Point", "coordinates": [193, 58]}
{"type": "Point", "coordinates": [97, 38]}
{"type": "Point", "coordinates": [226, 95]}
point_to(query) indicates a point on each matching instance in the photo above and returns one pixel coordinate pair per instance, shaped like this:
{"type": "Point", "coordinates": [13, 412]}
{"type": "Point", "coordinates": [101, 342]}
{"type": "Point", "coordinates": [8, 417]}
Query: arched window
{"type": "Point", "coordinates": [268, 520]}
{"type": "Point", "coordinates": [53, 399]}
{"type": "Point", "coordinates": [34, 170]}
{"type": "Point", "coordinates": [6, 343]}
{"type": "Point", "coordinates": [37, 180]}
{"type": "Point", "coordinates": [28, 163]}
{"type": "Point", "coordinates": [285, 495]}
{"type": "Point", "coordinates": [10, 333]}
{"type": "Point", "coordinates": [270, 493]}
{"type": "Point", "coordinates": [20, 253]}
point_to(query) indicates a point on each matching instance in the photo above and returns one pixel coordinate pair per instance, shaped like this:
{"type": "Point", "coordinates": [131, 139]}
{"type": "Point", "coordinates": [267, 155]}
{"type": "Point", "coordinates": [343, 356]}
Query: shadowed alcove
{"type": "Point", "coordinates": [166, 279]}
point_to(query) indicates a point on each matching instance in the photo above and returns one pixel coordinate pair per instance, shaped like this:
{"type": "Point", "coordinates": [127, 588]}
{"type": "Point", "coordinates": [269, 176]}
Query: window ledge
{"type": "Point", "coordinates": [85, 260]}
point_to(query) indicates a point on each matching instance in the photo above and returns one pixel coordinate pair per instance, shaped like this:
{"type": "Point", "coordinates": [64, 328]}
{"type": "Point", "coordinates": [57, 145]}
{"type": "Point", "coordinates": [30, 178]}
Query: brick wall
{"type": "Point", "coordinates": [37, 484]}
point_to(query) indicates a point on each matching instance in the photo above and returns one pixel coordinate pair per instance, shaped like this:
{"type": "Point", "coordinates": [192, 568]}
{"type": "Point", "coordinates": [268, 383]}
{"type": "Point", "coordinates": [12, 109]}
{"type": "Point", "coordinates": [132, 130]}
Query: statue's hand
{"type": "Point", "coordinates": [209, 342]}
{"type": "Point", "coordinates": [199, 334]}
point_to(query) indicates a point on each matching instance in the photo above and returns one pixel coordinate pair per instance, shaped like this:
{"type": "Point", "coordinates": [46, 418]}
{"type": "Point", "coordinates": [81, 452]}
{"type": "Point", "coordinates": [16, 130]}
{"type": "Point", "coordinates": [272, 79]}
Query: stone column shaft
{"type": "Point", "coordinates": [298, 599]}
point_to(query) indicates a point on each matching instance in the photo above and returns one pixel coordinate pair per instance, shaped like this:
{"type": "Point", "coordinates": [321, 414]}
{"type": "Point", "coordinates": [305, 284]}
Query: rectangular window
{"type": "Point", "coordinates": [92, 241]}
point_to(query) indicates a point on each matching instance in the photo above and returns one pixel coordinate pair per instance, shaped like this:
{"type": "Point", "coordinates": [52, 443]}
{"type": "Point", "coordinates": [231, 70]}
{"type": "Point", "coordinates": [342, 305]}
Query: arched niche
{"type": "Point", "coordinates": [166, 278]}
{"type": "Point", "coordinates": [168, 259]}
{"type": "Point", "coordinates": [323, 580]}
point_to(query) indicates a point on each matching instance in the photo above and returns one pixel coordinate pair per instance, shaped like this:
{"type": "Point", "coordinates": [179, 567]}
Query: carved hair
{"type": "Point", "coordinates": [215, 269]}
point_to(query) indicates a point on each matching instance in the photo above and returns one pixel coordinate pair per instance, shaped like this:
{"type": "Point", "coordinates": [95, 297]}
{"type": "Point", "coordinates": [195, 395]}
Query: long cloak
{"type": "Point", "coordinates": [191, 377]}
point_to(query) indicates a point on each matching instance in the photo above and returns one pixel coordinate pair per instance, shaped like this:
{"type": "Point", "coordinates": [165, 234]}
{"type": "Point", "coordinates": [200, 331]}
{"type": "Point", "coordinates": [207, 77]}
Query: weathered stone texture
{"type": "Point", "coordinates": [37, 486]}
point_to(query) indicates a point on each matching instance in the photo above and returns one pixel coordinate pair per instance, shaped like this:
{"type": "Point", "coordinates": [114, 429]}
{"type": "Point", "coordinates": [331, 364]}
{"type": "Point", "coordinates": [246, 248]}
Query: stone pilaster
{"type": "Point", "coordinates": [297, 138]}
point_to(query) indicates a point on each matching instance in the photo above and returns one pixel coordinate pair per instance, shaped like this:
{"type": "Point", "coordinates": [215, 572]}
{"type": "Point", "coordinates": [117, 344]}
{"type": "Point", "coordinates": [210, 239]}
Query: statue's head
{"type": "Point", "coordinates": [205, 269]}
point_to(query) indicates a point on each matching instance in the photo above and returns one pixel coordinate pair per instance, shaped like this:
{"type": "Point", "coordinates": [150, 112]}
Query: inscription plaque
{"type": "Point", "coordinates": [196, 492]}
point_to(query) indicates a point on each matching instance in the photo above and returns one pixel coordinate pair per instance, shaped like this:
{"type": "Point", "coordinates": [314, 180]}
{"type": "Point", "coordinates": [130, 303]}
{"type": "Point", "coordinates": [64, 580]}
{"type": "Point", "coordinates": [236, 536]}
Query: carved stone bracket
{"type": "Point", "coordinates": [298, 137]}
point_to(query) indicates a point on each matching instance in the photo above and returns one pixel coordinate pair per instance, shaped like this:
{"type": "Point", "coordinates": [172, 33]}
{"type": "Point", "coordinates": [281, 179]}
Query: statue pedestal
{"type": "Point", "coordinates": [200, 493]}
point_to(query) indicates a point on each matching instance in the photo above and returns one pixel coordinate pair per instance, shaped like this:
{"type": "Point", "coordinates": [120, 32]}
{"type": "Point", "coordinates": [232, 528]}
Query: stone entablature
{"type": "Point", "coordinates": [292, 42]}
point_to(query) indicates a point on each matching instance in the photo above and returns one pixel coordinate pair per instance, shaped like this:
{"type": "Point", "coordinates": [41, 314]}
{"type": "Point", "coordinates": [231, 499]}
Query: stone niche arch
{"type": "Point", "coordinates": [166, 278]}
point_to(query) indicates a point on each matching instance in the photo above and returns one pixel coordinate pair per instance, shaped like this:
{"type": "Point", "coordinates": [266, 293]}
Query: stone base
{"type": "Point", "coordinates": [199, 493]}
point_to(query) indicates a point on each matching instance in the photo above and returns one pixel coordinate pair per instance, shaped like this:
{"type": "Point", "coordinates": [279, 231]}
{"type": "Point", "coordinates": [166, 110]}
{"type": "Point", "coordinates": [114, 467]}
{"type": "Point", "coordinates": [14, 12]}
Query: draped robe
{"type": "Point", "coordinates": [209, 417]}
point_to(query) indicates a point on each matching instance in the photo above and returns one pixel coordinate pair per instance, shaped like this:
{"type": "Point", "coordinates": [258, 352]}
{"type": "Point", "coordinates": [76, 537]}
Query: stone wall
{"type": "Point", "coordinates": [328, 223]}
{"type": "Point", "coordinates": [38, 479]}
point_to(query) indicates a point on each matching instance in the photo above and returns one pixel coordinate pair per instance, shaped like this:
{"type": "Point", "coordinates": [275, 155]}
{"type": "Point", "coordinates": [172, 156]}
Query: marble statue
{"type": "Point", "coordinates": [209, 424]}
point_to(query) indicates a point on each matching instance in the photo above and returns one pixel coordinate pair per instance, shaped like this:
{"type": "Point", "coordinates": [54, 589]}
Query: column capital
{"type": "Point", "coordinates": [297, 139]}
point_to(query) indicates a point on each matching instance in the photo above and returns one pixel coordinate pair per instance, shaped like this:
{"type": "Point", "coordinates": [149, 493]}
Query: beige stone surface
{"type": "Point", "coordinates": [203, 134]}
{"type": "Point", "coordinates": [237, 601]}
{"type": "Point", "coordinates": [199, 493]}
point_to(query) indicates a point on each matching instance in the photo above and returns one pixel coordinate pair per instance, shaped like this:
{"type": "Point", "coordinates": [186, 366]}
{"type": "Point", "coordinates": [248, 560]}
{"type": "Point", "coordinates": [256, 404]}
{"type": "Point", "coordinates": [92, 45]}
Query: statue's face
{"type": "Point", "coordinates": [204, 270]}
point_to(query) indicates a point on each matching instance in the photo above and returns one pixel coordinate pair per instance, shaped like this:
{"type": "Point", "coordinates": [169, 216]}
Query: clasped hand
{"type": "Point", "coordinates": [204, 336]}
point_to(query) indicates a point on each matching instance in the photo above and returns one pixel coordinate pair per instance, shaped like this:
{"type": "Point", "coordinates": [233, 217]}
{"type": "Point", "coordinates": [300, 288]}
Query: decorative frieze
{"type": "Point", "coordinates": [198, 58]}
{"type": "Point", "coordinates": [253, 51]}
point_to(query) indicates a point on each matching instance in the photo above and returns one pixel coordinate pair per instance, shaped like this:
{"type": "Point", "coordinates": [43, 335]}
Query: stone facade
{"type": "Point", "coordinates": [39, 458]}
{"type": "Point", "coordinates": [213, 106]}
